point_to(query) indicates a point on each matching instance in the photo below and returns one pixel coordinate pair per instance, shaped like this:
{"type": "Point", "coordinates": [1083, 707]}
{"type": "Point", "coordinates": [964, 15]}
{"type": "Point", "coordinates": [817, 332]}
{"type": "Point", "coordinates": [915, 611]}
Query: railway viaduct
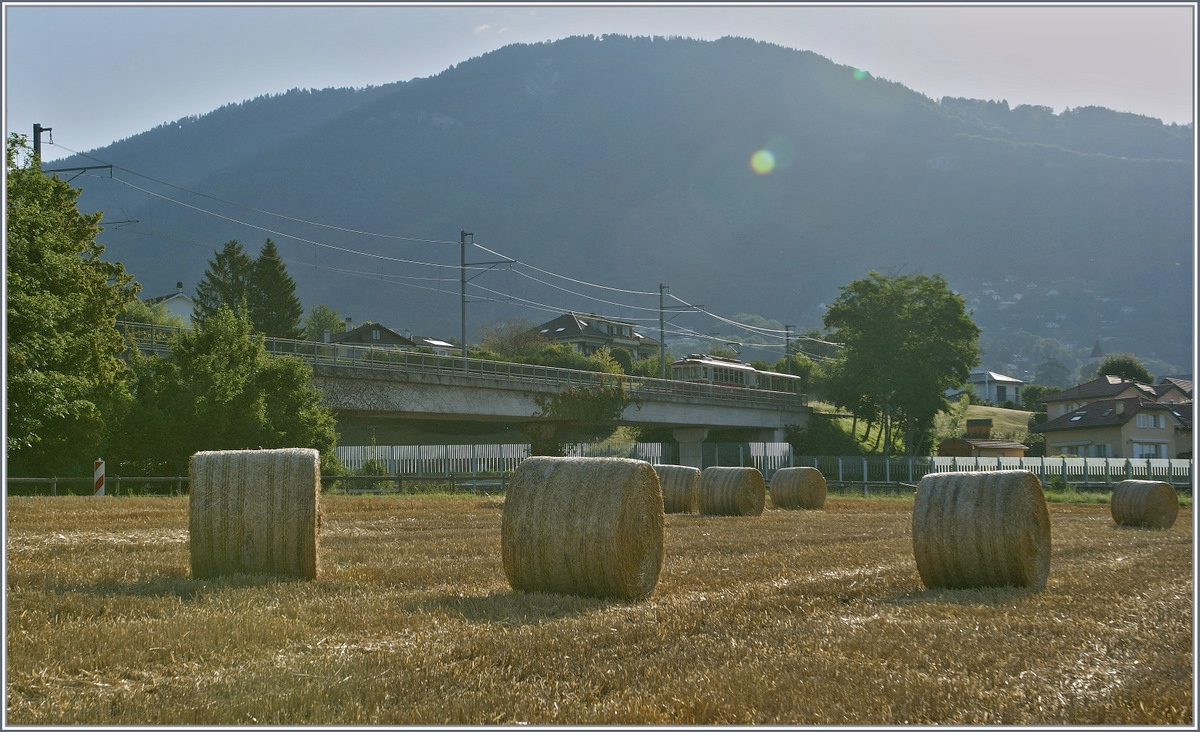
{"type": "Point", "coordinates": [397, 397]}
{"type": "Point", "coordinates": [368, 400]}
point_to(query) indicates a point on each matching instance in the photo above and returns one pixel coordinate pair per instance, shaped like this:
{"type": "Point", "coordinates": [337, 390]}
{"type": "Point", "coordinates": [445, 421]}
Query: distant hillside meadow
{"type": "Point", "coordinates": [746, 177]}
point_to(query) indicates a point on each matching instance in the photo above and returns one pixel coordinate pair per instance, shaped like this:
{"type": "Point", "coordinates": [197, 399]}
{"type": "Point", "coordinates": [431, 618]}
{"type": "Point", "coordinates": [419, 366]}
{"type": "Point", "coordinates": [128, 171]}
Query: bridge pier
{"type": "Point", "coordinates": [691, 445]}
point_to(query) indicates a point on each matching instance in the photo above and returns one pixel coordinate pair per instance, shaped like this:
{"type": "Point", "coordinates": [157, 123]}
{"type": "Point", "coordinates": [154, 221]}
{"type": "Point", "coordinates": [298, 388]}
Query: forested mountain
{"type": "Point", "coordinates": [626, 162]}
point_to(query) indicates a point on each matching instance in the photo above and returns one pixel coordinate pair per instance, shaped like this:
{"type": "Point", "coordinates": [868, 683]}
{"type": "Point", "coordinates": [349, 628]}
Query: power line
{"type": "Point", "coordinates": [281, 233]}
{"type": "Point", "coordinates": [346, 250]}
{"type": "Point", "coordinates": [255, 210]}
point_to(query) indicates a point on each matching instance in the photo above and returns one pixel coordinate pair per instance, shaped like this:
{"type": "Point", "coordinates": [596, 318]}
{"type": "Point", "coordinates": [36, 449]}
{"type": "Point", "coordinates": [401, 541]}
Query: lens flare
{"type": "Point", "coordinates": [762, 162]}
{"type": "Point", "coordinates": [859, 74]}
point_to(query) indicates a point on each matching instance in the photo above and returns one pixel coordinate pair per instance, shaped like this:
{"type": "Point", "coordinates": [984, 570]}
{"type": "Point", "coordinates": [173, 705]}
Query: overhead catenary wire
{"type": "Point", "coordinates": [252, 208]}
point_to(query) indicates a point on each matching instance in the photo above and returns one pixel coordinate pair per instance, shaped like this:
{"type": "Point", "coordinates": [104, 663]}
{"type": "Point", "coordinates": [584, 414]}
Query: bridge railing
{"type": "Point", "coordinates": [158, 339]}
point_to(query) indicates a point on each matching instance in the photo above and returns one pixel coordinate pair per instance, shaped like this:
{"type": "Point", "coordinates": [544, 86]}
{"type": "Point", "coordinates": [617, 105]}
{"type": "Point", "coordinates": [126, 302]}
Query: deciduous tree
{"type": "Point", "coordinates": [907, 340]}
{"type": "Point", "coordinates": [322, 319]}
{"type": "Point", "coordinates": [1125, 365]}
{"type": "Point", "coordinates": [64, 370]}
{"type": "Point", "coordinates": [220, 390]}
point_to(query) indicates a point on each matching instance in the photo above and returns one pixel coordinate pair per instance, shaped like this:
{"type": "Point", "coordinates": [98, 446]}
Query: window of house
{"type": "Point", "coordinates": [375, 335]}
{"type": "Point", "coordinates": [1079, 416]}
{"type": "Point", "coordinates": [1148, 450]}
{"type": "Point", "coordinates": [1150, 421]}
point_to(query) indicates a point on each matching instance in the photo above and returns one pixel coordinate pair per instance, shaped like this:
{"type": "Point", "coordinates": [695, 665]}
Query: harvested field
{"type": "Point", "coordinates": [790, 617]}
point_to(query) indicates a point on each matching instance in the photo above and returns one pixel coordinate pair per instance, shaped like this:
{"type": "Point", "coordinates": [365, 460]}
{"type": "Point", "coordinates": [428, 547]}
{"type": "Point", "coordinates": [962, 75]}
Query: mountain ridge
{"type": "Point", "coordinates": [626, 161]}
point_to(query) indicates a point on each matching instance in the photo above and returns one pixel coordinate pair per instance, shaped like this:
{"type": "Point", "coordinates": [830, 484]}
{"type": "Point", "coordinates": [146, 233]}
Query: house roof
{"type": "Point", "coordinates": [1114, 413]}
{"type": "Point", "coordinates": [430, 342]}
{"type": "Point", "coordinates": [982, 444]}
{"type": "Point", "coordinates": [1104, 387]}
{"type": "Point", "coordinates": [1167, 383]}
{"type": "Point", "coordinates": [991, 377]}
{"type": "Point", "coordinates": [172, 296]}
{"type": "Point", "coordinates": [572, 324]}
{"type": "Point", "coordinates": [364, 334]}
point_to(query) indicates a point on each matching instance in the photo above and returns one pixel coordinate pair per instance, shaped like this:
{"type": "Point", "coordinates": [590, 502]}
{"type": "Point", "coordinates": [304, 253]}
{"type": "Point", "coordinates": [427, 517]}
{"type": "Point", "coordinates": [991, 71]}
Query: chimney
{"type": "Point", "coordinates": [178, 287]}
{"type": "Point", "coordinates": [327, 334]}
{"type": "Point", "coordinates": [347, 324]}
{"type": "Point", "coordinates": [980, 429]}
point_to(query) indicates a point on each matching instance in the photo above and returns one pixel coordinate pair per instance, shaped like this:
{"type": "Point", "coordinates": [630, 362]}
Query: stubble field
{"type": "Point", "coordinates": [791, 617]}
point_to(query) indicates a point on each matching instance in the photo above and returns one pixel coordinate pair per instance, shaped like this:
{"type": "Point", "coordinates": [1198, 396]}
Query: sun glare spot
{"type": "Point", "coordinates": [762, 162]}
{"type": "Point", "coordinates": [859, 74]}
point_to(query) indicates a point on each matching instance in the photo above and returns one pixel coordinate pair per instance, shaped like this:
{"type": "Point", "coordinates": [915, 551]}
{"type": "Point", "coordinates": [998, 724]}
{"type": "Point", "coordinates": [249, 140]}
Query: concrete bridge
{"type": "Point", "coordinates": [374, 390]}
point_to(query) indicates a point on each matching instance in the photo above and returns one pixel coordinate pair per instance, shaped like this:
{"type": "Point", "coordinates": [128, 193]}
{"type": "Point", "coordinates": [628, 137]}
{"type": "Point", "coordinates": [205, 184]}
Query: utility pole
{"type": "Point", "coordinates": [462, 278]}
{"type": "Point", "coordinates": [37, 139]}
{"type": "Point", "coordinates": [787, 347]}
{"type": "Point", "coordinates": [662, 335]}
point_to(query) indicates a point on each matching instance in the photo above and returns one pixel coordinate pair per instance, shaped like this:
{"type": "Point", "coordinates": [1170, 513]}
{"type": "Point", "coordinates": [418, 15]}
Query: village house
{"type": "Point", "coordinates": [370, 334]}
{"type": "Point", "coordinates": [177, 303]}
{"type": "Point", "coordinates": [588, 333]}
{"type": "Point", "coordinates": [978, 442]}
{"type": "Point", "coordinates": [1115, 417]}
{"type": "Point", "coordinates": [1104, 387]}
{"type": "Point", "coordinates": [996, 388]}
{"type": "Point", "coordinates": [1124, 427]}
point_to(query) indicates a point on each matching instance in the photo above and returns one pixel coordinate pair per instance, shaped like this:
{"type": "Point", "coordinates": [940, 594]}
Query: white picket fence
{"type": "Point", "coordinates": [768, 457]}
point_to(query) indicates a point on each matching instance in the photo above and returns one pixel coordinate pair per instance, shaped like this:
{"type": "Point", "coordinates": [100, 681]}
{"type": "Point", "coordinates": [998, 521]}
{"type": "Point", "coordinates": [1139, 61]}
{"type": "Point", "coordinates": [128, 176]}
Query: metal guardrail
{"type": "Point", "coordinates": [159, 338]}
{"type": "Point", "coordinates": [179, 486]}
{"type": "Point", "coordinates": [133, 485]}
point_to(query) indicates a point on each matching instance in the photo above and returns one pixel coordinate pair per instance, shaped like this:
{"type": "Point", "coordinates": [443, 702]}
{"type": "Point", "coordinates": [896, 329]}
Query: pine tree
{"type": "Point", "coordinates": [226, 282]}
{"type": "Point", "coordinates": [273, 306]}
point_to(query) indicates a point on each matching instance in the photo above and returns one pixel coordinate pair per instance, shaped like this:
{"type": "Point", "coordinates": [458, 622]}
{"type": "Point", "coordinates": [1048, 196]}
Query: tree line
{"type": "Point", "coordinates": [76, 390]}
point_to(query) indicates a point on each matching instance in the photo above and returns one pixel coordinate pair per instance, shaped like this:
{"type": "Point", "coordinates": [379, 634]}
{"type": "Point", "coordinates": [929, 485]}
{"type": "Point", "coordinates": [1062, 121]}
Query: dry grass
{"type": "Point", "coordinates": [791, 617]}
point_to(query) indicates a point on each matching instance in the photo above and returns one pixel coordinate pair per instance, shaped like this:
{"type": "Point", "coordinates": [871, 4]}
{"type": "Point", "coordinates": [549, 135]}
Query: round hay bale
{"type": "Point", "coordinates": [982, 529]}
{"type": "Point", "coordinates": [254, 512]}
{"type": "Point", "coordinates": [583, 526]}
{"type": "Point", "coordinates": [732, 492]}
{"type": "Point", "coordinates": [801, 487]}
{"type": "Point", "coordinates": [1151, 504]}
{"type": "Point", "coordinates": [679, 485]}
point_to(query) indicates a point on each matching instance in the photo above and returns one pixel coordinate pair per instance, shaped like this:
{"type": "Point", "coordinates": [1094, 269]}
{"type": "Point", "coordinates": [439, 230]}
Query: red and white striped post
{"type": "Point", "coordinates": [98, 478]}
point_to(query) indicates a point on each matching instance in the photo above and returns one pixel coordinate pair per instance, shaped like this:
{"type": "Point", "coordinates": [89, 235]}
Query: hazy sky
{"type": "Point", "coordinates": [97, 73]}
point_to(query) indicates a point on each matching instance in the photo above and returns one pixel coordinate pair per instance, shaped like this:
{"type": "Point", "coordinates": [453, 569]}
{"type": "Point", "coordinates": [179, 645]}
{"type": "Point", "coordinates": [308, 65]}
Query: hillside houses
{"type": "Point", "coordinates": [1120, 418]}
{"type": "Point", "coordinates": [587, 333]}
